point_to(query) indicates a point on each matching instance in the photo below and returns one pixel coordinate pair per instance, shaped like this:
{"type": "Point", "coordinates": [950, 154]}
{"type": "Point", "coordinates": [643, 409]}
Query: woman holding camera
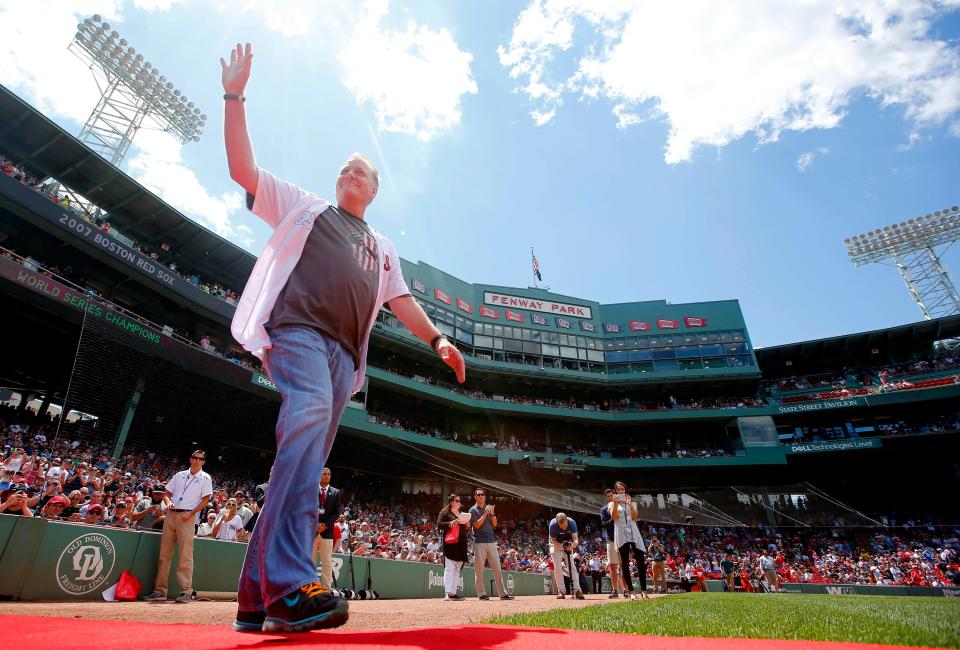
{"type": "Point", "coordinates": [454, 536]}
{"type": "Point", "coordinates": [626, 537]}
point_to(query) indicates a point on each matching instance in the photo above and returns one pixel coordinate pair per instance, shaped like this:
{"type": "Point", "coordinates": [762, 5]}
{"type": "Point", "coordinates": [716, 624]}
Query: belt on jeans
{"type": "Point", "coordinates": [179, 510]}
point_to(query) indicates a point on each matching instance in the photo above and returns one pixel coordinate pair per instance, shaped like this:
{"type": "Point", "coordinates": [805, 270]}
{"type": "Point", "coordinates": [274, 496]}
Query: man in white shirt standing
{"type": "Point", "coordinates": [187, 493]}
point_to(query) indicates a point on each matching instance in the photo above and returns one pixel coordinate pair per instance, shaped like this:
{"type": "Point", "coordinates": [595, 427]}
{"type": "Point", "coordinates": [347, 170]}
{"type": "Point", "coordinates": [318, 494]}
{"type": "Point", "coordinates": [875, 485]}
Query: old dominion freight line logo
{"type": "Point", "coordinates": [85, 564]}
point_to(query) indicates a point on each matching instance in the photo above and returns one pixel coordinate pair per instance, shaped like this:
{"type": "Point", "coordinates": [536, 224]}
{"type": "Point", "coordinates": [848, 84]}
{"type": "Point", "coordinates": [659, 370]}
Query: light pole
{"type": "Point", "coordinates": [131, 89]}
{"type": "Point", "coordinates": [916, 247]}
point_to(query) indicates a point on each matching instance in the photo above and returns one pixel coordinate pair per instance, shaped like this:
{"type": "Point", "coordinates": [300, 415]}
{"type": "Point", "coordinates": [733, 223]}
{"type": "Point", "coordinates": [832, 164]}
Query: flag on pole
{"type": "Point", "coordinates": [536, 266]}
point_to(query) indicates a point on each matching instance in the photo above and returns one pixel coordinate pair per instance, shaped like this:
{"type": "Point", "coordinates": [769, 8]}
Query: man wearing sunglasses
{"type": "Point", "coordinates": [483, 521]}
{"type": "Point", "coordinates": [186, 494]}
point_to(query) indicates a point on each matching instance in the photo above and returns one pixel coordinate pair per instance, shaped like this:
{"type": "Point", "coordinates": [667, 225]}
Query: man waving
{"type": "Point", "coordinates": [307, 311]}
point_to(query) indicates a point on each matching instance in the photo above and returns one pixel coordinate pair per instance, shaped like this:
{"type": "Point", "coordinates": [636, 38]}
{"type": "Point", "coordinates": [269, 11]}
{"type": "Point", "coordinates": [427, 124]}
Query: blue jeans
{"type": "Point", "coordinates": [314, 375]}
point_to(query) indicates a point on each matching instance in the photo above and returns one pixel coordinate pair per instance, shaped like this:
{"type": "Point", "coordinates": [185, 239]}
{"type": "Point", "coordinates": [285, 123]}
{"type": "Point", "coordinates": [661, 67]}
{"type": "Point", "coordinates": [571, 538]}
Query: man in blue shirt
{"type": "Point", "coordinates": [483, 521]}
{"type": "Point", "coordinates": [613, 555]}
{"type": "Point", "coordinates": [563, 542]}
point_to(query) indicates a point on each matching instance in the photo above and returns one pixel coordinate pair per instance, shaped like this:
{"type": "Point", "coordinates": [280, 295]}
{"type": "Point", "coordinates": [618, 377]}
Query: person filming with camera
{"type": "Point", "coordinates": [626, 537]}
{"type": "Point", "coordinates": [563, 542]}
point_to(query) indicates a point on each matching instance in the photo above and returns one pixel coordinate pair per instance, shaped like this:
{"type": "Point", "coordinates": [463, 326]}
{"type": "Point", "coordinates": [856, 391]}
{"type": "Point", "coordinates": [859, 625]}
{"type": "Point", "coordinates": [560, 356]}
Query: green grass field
{"type": "Point", "coordinates": [933, 622]}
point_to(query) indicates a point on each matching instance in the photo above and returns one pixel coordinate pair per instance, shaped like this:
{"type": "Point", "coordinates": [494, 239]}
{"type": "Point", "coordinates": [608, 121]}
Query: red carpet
{"type": "Point", "coordinates": [70, 633]}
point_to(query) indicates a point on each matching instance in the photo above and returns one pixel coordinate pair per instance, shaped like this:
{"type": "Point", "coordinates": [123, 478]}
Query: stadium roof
{"type": "Point", "coordinates": [45, 149]}
{"type": "Point", "coordinates": [893, 342]}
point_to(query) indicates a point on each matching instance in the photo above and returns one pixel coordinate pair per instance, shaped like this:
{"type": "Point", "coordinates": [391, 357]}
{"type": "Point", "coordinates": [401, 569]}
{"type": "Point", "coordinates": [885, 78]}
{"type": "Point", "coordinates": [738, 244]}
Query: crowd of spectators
{"type": "Point", "coordinates": [79, 481]}
{"type": "Point", "coordinates": [945, 423]}
{"type": "Point", "coordinates": [877, 379]}
{"type": "Point", "coordinates": [233, 353]}
{"type": "Point", "coordinates": [63, 478]}
{"type": "Point", "coordinates": [640, 448]}
{"type": "Point", "coordinates": [162, 254]}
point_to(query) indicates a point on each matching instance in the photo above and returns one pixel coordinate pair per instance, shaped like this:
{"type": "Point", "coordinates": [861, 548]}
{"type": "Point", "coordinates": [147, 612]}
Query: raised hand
{"type": "Point", "coordinates": [236, 74]}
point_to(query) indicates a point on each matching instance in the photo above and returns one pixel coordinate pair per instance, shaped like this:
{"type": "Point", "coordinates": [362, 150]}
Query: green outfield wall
{"type": "Point", "coordinates": [43, 560]}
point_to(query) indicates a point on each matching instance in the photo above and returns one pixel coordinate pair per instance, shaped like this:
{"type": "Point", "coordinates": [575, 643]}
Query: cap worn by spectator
{"type": "Point", "coordinates": [62, 500]}
{"type": "Point", "coordinates": [94, 508]}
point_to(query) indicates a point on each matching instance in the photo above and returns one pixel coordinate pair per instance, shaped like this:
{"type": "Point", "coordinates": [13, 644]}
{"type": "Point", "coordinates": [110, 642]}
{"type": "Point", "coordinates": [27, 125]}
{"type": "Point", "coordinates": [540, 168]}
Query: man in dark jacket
{"type": "Point", "coordinates": [327, 514]}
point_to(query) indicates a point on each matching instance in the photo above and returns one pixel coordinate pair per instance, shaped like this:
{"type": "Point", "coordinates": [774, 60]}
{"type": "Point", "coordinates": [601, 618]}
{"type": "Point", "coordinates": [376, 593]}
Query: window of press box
{"type": "Point", "coordinates": [551, 350]}
{"type": "Point", "coordinates": [615, 357]}
{"type": "Point", "coordinates": [688, 352]}
{"type": "Point", "coordinates": [446, 329]}
{"type": "Point", "coordinates": [665, 364]}
{"type": "Point", "coordinates": [711, 350]}
{"type": "Point", "coordinates": [483, 341]}
{"type": "Point", "coordinates": [690, 364]}
{"type": "Point", "coordinates": [739, 361]}
{"type": "Point", "coordinates": [718, 362]}
{"type": "Point", "coordinates": [498, 330]}
{"type": "Point", "coordinates": [735, 348]}
{"type": "Point", "coordinates": [664, 353]}
{"type": "Point", "coordinates": [527, 335]}
{"type": "Point", "coordinates": [497, 344]}
{"type": "Point", "coordinates": [464, 336]}
{"type": "Point", "coordinates": [510, 345]}
{"type": "Point", "coordinates": [640, 355]}
{"type": "Point", "coordinates": [595, 355]}
{"type": "Point", "coordinates": [568, 352]}
{"type": "Point", "coordinates": [551, 337]}
{"type": "Point", "coordinates": [531, 348]}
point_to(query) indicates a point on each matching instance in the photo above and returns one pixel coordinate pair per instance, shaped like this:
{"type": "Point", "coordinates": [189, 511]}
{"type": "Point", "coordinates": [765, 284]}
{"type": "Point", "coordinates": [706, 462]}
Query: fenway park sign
{"type": "Point", "coordinates": [532, 304]}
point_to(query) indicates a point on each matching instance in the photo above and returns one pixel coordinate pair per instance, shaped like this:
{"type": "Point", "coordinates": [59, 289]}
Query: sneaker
{"type": "Point", "coordinates": [249, 621]}
{"type": "Point", "coordinates": [613, 595]}
{"type": "Point", "coordinates": [579, 595]}
{"type": "Point", "coordinates": [311, 607]}
{"type": "Point", "coordinates": [506, 597]}
{"type": "Point", "coordinates": [484, 597]}
{"type": "Point", "coordinates": [155, 597]}
{"type": "Point", "coordinates": [184, 597]}
{"type": "Point", "coordinates": [453, 597]}
{"type": "Point", "coordinates": [560, 596]}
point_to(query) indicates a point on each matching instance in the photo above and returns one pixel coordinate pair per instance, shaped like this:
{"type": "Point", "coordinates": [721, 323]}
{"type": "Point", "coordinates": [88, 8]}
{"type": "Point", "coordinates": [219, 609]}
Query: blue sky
{"type": "Point", "coordinates": [645, 154]}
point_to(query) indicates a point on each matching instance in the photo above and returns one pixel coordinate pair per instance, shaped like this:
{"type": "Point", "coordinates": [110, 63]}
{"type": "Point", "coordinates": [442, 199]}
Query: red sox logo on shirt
{"type": "Point", "coordinates": [386, 263]}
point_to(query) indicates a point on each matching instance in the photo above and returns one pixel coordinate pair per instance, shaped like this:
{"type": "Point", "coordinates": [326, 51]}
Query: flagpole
{"type": "Point", "coordinates": [532, 257]}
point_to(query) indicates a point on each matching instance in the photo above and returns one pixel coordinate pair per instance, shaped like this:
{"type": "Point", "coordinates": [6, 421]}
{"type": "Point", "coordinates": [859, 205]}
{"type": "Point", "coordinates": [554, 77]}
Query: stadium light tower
{"type": "Point", "coordinates": [130, 90]}
{"type": "Point", "coordinates": [912, 245]}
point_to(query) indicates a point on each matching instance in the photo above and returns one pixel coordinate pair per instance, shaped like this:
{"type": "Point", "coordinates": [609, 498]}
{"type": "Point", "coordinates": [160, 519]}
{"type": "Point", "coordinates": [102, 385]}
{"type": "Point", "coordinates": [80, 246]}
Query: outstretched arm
{"type": "Point", "coordinates": [243, 168]}
{"type": "Point", "coordinates": [410, 314]}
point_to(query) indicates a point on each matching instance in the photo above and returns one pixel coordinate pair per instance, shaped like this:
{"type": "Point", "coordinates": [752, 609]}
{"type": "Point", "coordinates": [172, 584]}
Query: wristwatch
{"type": "Point", "coordinates": [436, 339]}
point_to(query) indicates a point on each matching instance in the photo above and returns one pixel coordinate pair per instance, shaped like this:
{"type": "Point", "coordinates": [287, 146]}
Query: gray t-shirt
{"type": "Point", "coordinates": [484, 534]}
{"type": "Point", "coordinates": [334, 285]}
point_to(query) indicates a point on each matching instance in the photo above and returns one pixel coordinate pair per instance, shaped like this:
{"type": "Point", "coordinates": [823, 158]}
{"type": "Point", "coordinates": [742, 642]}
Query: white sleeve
{"type": "Point", "coordinates": [274, 197]}
{"type": "Point", "coordinates": [207, 488]}
{"type": "Point", "coordinates": [173, 484]}
{"type": "Point", "coordinates": [396, 285]}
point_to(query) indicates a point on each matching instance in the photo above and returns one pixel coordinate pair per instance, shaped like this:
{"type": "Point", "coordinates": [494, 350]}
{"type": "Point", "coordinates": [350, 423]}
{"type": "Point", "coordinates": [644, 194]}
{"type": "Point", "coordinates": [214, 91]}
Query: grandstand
{"type": "Point", "coordinates": [123, 316]}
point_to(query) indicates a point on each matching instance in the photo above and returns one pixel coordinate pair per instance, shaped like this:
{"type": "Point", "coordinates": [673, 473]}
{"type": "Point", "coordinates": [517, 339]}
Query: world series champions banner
{"type": "Point", "coordinates": [55, 218]}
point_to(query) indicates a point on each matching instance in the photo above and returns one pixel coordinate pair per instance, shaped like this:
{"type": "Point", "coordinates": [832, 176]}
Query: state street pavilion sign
{"type": "Point", "coordinates": [533, 304]}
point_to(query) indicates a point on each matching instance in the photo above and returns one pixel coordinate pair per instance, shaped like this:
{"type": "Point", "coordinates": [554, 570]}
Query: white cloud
{"type": "Point", "coordinates": [912, 139]}
{"type": "Point", "coordinates": [716, 73]}
{"type": "Point", "coordinates": [806, 158]}
{"type": "Point", "coordinates": [414, 78]}
{"type": "Point", "coordinates": [290, 18]}
{"type": "Point", "coordinates": [157, 163]}
{"type": "Point", "coordinates": [155, 5]}
{"type": "Point", "coordinates": [34, 61]}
